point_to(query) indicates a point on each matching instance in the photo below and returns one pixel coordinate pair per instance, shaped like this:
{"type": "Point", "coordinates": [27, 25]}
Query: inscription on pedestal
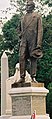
{"type": "Point", "coordinates": [21, 105]}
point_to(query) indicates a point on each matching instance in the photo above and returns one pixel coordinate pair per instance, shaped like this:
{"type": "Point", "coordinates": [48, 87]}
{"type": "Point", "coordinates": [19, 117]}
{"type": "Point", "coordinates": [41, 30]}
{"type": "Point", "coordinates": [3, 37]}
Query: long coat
{"type": "Point", "coordinates": [31, 27]}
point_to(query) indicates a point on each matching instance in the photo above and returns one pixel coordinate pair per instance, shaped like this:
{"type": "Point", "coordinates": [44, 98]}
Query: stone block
{"type": "Point", "coordinates": [27, 84]}
{"type": "Point", "coordinates": [5, 116]}
{"type": "Point", "coordinates": [21, 117]}
{"type": "Point", "coordinates": [27, 99]}
{"type": "Point", "coordinates": [39, 104]}
{"type": "Point", "coordinates": [21, 105]}
{"type": "Point", "coordinates": [25, 117]}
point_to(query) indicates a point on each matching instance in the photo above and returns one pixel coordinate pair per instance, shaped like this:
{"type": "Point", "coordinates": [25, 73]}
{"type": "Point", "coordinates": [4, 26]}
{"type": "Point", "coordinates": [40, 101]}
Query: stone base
{"type": "Point", "coordinates": [25, 117]}
{"type": "Point", "coordinates": [5, 117]}
{"type": "Point", "coordinates": [29, 117]}
{"type": "Point", "coordinates": [25, 84]}
{"type": "Point", "coordinates": [25, 100]}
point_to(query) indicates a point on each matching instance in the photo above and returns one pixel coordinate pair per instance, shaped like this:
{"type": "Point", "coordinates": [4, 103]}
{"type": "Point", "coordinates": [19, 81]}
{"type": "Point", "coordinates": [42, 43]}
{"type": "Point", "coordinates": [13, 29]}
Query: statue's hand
{"type": "Point", "coordinates": [20, 35]}
{"type": "Point", "coordinates": [37, 53]}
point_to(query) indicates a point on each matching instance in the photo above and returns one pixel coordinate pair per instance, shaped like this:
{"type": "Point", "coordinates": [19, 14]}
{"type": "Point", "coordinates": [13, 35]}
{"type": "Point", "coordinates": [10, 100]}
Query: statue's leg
{"type": "Point", "coordinates": [33, 67]}
{"type": "Point", "coordinates": [22, 63]}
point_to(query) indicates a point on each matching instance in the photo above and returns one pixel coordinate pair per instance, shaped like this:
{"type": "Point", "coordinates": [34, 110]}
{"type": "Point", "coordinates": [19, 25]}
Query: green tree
{"type": "Point", "coordinates": [39, 6]}
{"type": "Point", "coordinates": [44, 73]}
{"type": "Point", "coordinates": [1, 40]}
{"type": "Point", "coordinates": [11, 41]}
{"type": "Point", "coordinates": [45, 64]}
{"type": "Point", "coordinates": [10, 32]}
{"type": "Point", "coordinates": [49, 100]}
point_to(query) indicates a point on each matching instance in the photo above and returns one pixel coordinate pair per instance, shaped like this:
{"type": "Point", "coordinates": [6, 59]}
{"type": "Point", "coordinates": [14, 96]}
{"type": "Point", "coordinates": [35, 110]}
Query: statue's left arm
{"type": "Point", "coordinates": [40, 32]}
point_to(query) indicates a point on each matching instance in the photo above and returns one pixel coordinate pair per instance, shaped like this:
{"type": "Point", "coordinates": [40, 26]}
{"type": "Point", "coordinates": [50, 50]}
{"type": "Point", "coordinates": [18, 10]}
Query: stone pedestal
{"type": "Point", "coordinates": [27, 99]}
{"type": "Point", "coordinates": [5, 117]}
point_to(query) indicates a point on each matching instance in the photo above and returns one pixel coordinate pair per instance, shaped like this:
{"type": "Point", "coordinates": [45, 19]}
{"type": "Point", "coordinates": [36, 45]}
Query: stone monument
{"type": "Point", "coordinates": [4, 76]}
{"type": "Point", "coordinates": [28, 97]}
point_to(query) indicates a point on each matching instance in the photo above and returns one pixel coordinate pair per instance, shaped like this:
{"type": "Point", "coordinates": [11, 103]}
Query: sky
{"type": "Point", "coordinates": [6, 10]}
{"type": "Point", "coordinates": [4, 4]}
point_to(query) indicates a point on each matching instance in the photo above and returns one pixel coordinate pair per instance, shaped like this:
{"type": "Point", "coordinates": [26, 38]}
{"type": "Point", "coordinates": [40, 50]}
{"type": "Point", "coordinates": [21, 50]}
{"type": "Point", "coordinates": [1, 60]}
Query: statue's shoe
{"type": "Point", "coordinates": [22, 80]}
{"type": "Point", "coordinates": [34, 80]}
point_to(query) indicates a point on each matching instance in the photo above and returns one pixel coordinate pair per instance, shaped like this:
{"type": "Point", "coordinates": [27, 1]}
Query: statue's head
{"type": "Point", "coordinates": [30, 6]}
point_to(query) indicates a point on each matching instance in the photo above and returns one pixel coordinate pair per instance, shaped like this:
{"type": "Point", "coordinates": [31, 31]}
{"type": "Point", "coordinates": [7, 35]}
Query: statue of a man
{"type": "Point", "coordinates": [30, 46]}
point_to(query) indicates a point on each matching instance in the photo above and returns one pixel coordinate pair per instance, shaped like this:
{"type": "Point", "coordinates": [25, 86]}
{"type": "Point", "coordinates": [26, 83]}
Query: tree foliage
{"type": "Point", "coordinates": [1, 42]}
{"type": "Point", "coordinates": [10, 33]}
{"type": "Point", "coordinates": [49, 100]}
{"type": "Point", "coordinates": [44, 73]}
{"type": "Point", "coordinates": [42, 6]}
{"type": "Point", "coordinates": [11, 41]}
{"type": "Point", "coordinates": [45, 64]}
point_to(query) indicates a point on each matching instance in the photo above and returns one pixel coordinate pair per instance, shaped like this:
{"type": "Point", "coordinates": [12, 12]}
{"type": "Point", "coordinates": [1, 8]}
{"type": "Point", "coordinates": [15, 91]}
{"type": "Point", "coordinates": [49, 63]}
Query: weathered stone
{"type": "Point", "coordinates": [27, 99]}
{"type": "Point", "coordinates": [25, 117]}
{"type": "Point", "coordinates": [4, 76]}
{"type": "Point", "coordinates": [5, 117]}
{"type": "Point", "coordinates": [21, 105]}
{"type": "Point", "coordinates": [25, 84]}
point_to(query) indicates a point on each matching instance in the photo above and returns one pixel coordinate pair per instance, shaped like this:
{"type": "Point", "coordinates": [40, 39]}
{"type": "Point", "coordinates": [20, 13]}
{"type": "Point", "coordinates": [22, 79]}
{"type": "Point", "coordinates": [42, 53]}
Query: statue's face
{"type": "Point", "coordinates": [29, 8]}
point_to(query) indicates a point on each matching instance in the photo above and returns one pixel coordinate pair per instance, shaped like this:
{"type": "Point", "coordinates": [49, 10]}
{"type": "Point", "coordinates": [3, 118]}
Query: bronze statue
{"type": "Point", "coordinates": [31, 41]}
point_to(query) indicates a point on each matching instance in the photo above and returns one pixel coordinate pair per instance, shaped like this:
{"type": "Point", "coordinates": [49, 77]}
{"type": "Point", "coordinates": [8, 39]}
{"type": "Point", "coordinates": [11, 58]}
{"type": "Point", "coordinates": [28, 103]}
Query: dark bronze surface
{"type": "Point", "coordinates": [31, 40]}
{"type": "Point", "coordinates": [27, 84]}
